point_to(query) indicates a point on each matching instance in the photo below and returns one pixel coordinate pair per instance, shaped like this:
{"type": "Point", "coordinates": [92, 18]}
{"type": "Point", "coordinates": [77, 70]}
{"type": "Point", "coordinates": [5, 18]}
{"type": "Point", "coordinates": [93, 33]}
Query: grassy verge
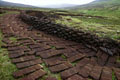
{"type": "Point", "coordinates": [6, 67]}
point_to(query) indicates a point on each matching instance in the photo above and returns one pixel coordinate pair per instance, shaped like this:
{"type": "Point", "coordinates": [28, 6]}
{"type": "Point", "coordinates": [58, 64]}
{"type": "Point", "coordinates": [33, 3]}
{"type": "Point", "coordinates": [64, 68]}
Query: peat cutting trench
{"type": "Point", "coordinates": [44, 49]}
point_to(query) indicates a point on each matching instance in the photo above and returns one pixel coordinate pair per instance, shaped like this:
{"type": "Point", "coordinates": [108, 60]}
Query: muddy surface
{"type": "Point", "coordinates": [73, 61]}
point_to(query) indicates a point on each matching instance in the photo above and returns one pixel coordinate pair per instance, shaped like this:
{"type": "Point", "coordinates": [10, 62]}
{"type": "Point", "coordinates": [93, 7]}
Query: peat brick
{"type": "Point", "coordinates": [69, 52]}
{"type": "Point", "coordinates": [85, 71]}
{"type": "Point", "coordinates": [93, 61]}
{"type": "Point", "coordinates": [10, 45]}
{"type": "Point", "coordinates": [50, 78]}
{"type": "Point", "coordinates": [83, 62]}
{"type": "Point", "coordinates": [59, 46]}
{"type": "Point", "coordinates": [106, 74]}
{"type": "Point", "coordinates": [76, 77]}
{"type": "Point", "coordinates": [69, 72]}
{"type": "Point", "coordinates": [43, 48]}
{"type": "Point", "coordinates": [22, 59]}
{"type": "Point", "coordinates": [27, 70]}
{"type": "Point", "coordinates": [91, 53]}
{"type": "Point", "coordinates": [34, 46]}
{"type": "Point", "coordinates": [96, 72]}
{"type": "Point", "coordinates": [76, 57]}
{"type": "Point", "coordinates": [15, 52]}
{"type": "Point", "coordinates": [35, 75]}
{"type": "Point", "coordinates": [28, 63]}
{"type": "Point", "coordinates": [30, 52]}
{"type": "Point", "coordinates": [49, 53]}
{"type": "Point", "coordinates": [17, 48]}
{"type": "Point", "coordinates": [13, 48]}
{"type": "Point", "coordinates": [25, 41]}
{"type": "Point", "coordinates": [60, 67]}
{"type": "Point", "coordinates": [102, 59]}
{"type": "Point", "coordinates": [16, 55]}
{"type": "Point", "coordinates": [112, 59]}
{"type": "Point", "coordinates": [53, 61]}
{"type": "Point", "coordinates": [30, 43]}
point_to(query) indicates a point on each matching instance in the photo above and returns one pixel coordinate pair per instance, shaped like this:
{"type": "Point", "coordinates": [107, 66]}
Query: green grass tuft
{"type": "Point", "coordinates": [49, 73]}
{"type": "Point", "coordinates": [52, 47]}
{"type": "Point", "coordinates": [13, 39]}
{"type": "Point", "coordinates": [113, 76]}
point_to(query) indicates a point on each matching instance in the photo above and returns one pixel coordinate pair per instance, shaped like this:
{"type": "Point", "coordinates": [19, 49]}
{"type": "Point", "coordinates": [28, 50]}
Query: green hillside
{"type": "Point", "coordinates": [107, 8]}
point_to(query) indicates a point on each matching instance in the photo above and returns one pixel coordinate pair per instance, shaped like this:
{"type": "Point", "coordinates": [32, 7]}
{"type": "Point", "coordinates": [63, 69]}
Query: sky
{"type": "Point", "coordinates": [44, 3]}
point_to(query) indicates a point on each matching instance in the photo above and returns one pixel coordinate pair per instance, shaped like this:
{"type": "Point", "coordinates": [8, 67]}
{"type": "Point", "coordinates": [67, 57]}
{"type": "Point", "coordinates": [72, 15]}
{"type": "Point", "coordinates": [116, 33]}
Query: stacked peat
{"type": "Point", "coordinates": [90, 40]}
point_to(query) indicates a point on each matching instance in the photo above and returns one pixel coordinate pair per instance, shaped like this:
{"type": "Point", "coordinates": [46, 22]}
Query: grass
{"type": "Point", "coordinates": [6, 67]}
{"type": "Point", "coordinates": [101, 27]}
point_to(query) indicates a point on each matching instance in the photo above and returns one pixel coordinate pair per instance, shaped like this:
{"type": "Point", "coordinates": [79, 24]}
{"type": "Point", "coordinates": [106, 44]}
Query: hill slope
{"type": "Point", "coordinates": [100, 4]}
{"type": "Point", "coordinates": [4, 4]}
{"type": "Point", "coordinates": [106, 8]}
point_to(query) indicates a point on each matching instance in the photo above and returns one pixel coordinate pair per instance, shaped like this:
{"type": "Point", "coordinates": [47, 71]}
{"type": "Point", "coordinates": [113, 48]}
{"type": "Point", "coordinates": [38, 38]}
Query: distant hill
{"type": "Point", "coordinates": [5, 4]}
{"type": "Point", "coordinates": [105, 8]}
{"type": "Point", "coordinates": [99, 4]}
